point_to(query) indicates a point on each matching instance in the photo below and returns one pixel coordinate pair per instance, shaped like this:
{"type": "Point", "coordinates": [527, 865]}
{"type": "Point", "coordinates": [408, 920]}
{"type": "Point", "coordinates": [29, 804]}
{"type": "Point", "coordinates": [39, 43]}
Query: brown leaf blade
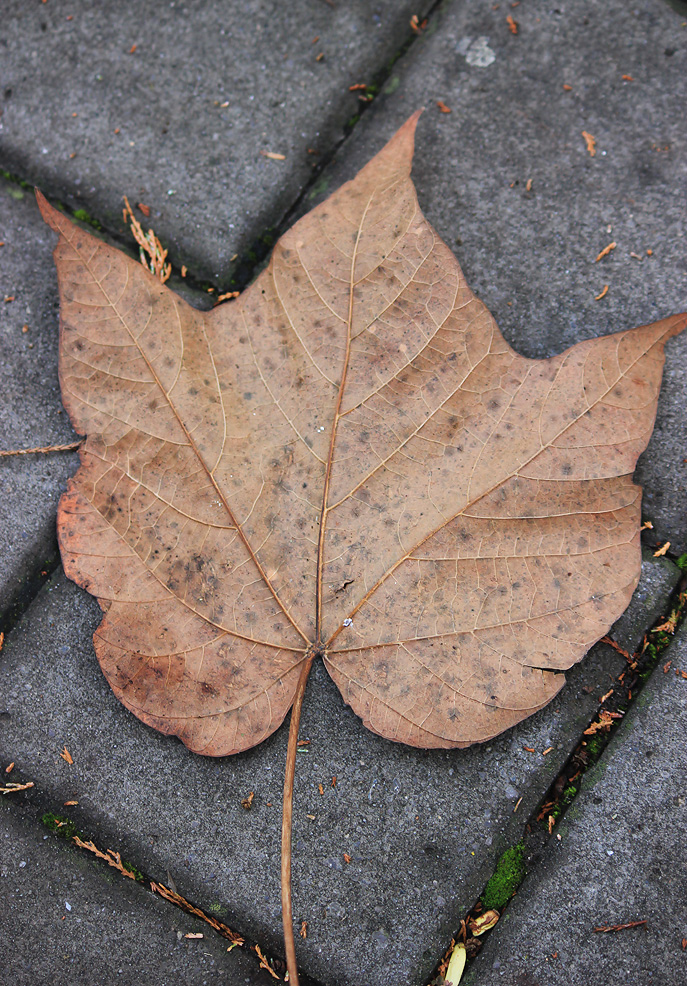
{"type": "Point", "coordinates": [350, 462]}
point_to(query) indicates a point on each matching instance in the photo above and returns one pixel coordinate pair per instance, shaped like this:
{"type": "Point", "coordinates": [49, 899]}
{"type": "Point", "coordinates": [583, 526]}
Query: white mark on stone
{"type": "Point", "coordinates": [476, 51]}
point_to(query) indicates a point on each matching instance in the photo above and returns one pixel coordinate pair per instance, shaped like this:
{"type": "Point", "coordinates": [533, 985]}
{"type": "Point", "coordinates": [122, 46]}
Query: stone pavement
{"type": "Point", "coordinates": [620, 858]}
{"type": "Point", "coordinates": [423, 829]}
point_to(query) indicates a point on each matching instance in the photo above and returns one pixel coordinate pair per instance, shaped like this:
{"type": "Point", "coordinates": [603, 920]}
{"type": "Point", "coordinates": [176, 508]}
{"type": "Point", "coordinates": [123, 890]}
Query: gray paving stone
{"type": "Point", "coordinates": [66, 918]}
{"type": "Point", "coordinates": [621, 858]}
{"type": "Point", "coordinates": [30, 410]}
{"type": "Point", "coordinates": [530, 255]}
{"type": "Point", "coordinates": [423, 828]}
{"type": "Point", "coordinates": [69, 81]}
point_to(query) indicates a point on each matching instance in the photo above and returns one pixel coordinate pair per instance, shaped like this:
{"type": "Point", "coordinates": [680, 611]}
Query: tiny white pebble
{"type": "Point", "coordinates": [68, 905]}
{"type": "Point", "coordinates": [347, 622]}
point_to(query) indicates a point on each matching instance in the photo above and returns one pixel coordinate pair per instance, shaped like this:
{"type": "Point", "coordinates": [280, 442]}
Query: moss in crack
{"type": "Point", "coordinates": [569, 794]}
{"type": "Point", "coordinates": [61, 825]}
{"type": "Point", "coordinates": [86, 217]}
{"type": "Point", "coordinates": [506, 878]}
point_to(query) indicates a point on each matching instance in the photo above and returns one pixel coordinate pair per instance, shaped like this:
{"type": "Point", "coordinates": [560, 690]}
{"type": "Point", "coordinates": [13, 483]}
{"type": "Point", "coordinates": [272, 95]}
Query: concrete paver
{"type": "Point", "coordinates": [530, 255]}
{"type": "Point", "coordinates": [180, 122]}
{"type": "Point", "coordinates": [423, 828]}
{"type": "Point", "coordinates": [621, 858]}
{"type": "Point", "coordinates": [31, 413]}
{"type": "Point", "coordinates": [67, 918]}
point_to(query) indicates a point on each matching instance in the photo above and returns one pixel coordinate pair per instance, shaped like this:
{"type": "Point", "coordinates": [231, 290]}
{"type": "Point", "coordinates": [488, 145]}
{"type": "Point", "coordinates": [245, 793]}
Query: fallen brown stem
{"type": "Point", "coordinates": [47, 448]}
{"type": "Point", "coordinates": [287, 810]}
{"type": "Point", "coordinates": [620, 927]}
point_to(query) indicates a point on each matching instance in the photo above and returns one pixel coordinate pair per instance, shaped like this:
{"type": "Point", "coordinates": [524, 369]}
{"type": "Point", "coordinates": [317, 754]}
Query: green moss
{"type": "Point", "coordinates": [86, 217]}
{"type": "Point", "coordinates": [8, 176]}
{"type": "Point", "coordinates": [682, 562]}
{"type": "Point", "coordinates": [61, 825]}
{"type": "Point", "coordinates": [392, 85]}
{"type": "Point", "coordinates": [134, 870]}
{"type": "Point", "coordinates": [569, 794]}
{"type": "Point", "coordinates": [594, 746]}
{"type": "Point", "coordinates": [319, 188]}
{"type": "Point", "coordinates": [507, 877]}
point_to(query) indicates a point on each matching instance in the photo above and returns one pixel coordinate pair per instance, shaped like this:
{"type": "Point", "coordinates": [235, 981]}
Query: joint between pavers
{"type": "Point", "coordinates": [61, 826]}
{"type": "Point", "coordinates": [562, 793]}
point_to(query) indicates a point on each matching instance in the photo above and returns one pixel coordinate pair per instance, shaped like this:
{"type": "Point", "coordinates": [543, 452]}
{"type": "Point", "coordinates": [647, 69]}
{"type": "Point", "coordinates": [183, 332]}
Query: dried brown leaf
{"type": "Point", "coordinates": [483, 922]}
{"type": "Point", "coordinates": [354, 419]}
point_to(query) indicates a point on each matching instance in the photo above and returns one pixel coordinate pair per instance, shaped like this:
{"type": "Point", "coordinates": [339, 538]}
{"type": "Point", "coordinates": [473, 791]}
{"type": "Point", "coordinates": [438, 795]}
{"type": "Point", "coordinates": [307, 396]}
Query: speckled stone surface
{"type": "Point", "coordinates": [173, 105]}
{"type": "Point", "coordinates": [620, 858]}
{"type": "Point", "coordinates": [423, 829]}
{"type": "Point", "coordinates": [66, 917]}
{"type": "Point", "coordinates": [31, 412]}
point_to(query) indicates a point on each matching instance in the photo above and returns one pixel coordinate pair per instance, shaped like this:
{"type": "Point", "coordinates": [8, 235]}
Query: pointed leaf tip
{"type": "Point", "coordinates": [397, 154]}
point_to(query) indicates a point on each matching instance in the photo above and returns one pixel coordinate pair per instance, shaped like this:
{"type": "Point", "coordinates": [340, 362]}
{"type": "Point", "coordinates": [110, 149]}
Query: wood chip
{"type": "Point", "coordinates": [567, 87]}
{"type": "Point", "coordinates": [9, 768]}
{"type": "Point", "coordinates": [273, 156]}
{"type": "Point", "coordinates": [69, 804]}
{"type": "Point", "coordinates": [132, 49]}
{"type": "Point", "coordinates": [546, 751]}
{"type": "Point", "coordinates": [528, 186]}
{"type": "Point", "coordinates": [605, 252]}
{"type": "Point", "coordinates": [320, 57]}
{"type": "Point", "coordinates": [627, 78]}
{"type": "Point", "coordinates": [225, 297]}
{"type": "Point", "coordinates": [602, 293]}
{"type": "Point", "coordinates": [304, 929]}
{"type": "Point", "coordinates": [512, 25]}
{"type": "Point", "coordinates": [517, 804]}
{"type": "Point", "coordinates": [443, 108]}
{"type": "Point", "coordinates": [530, 749]}
{"type": "Point", "coordinates": [666, 667]}
{"type": "Point", "coordinates": [662, 550]}
{"type": "Point", "coordinates": [607, 695]}
{"type": "Point", "coordinates": [247, 802]}
{"type": "Point", "coordinates": [66, 755]}
{"type": "Point", "coordinates": [145, 209]}
{"type": "Point", "coordinates": [184, 270]}
{"type": "Point", "coordinates": [647, 526]}
{"type": "Point", "coordinates": [8, 298]}
{"type": "Point", "coordinates": [590, 142]}
{"type": "Point", "coordinates": [346, 857]}
{"type": "Point", "coordinates": [194, 934]}
{"type": "Point", "coordinates": [357, 86]}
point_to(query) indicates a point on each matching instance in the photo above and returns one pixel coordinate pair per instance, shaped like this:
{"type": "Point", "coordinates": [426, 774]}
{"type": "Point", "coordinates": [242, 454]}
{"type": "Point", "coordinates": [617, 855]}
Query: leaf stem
{"type": "Point", "coordinates": [286, 826]}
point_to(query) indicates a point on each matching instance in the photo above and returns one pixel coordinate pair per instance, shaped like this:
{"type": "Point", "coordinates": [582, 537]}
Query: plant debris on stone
{"type": "Point", "coordinates": [355, 418]}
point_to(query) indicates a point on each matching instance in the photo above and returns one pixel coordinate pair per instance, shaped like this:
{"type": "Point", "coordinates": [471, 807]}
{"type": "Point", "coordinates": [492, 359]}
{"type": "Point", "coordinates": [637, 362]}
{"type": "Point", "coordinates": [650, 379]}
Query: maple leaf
{"type": "Point", "coordinates": [346, 462]}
